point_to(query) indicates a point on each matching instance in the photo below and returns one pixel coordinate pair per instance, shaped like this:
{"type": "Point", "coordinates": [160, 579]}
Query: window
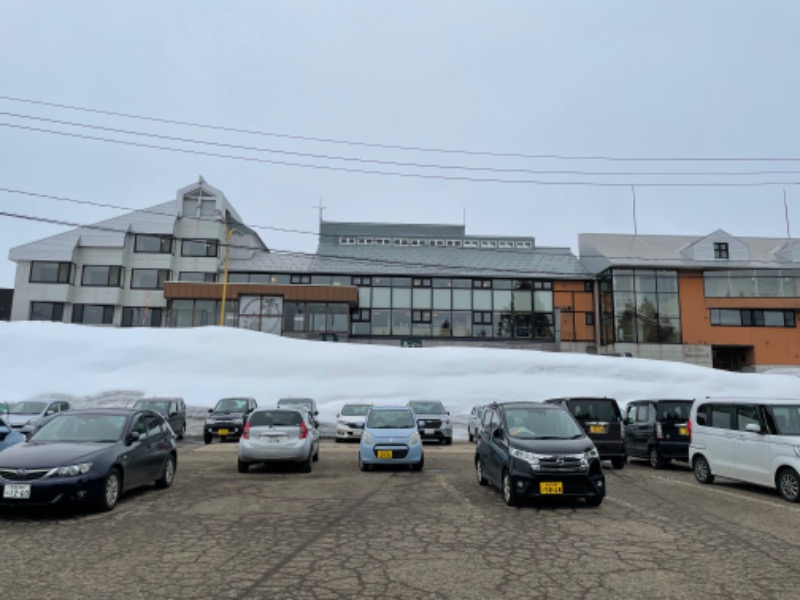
{"type": "Point", "coordinates": [721, 416]}
{"type": "Point", "coordinates": [631, 418]}
{"type": "Point", "coordinates": [47, 311]}
{"type": "Point", "coordinates": [723, 317]}
{"type": "Point", "coordinates": [421, 316]}
{"type": "Point", "coordinates": [643, 413]}
{"type": "Point", "coordinates": [199, 248]}
{"type": "Point", "coordinates": [505, 244]}
{"type": "Point", "coordinates": [199, 277]}
{"type": "Point", "coordinates": [482, 283]}
{"type": "Point", "coordinates": [50, 272]}
{"type": "Point", "coordinates": [747, 415]}
{"type": "Point", "coordinates": [590, 318]}
{"type": "Point", "coordinates": [93, 314]}
{"type": "Point", "coordinates": [720, 250]}
{"type": "Point", "coordinates": [588, 286]}
{"type": "Point", "coordinates": [481, 318]}
{"type": "Point", "coordinates": [362, 280]}
{"type": "Point", "coordinates": [141, 316]}
{"type": "Point", "coordinates": [471, 244]}
{"type": "Point", "coordinates": [93, 275]}
{"type": "Point", "coordinates": [421, 283]}
{"type": "Point", "coordinates": [153, 244]}
{"type": "Point", "coordinates": [362, 315]}
{"type": "Point", "coordinates": [301, 279]}
{"type": "Point", "coordinates": [149, 279]}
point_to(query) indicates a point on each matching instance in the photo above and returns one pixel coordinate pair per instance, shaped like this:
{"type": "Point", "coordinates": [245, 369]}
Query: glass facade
{"type": "Point", "coordinates": [752, 283]}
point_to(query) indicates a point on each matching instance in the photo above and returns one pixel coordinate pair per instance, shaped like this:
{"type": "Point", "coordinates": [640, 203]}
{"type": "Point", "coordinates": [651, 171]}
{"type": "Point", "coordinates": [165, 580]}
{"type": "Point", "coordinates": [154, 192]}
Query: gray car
{"type": "Point", "coordinates": [309, 404]}
{"type": "Point", "coordinates": [23, 416]}
{"type": "Point", "coordinates": [172, 409]}
{"type": "Point", "coordinates": [279, 435]}
{"type": "Point", "coordinates": [474, 423]}
{"type": "Point", "coordinates": [433, 420]}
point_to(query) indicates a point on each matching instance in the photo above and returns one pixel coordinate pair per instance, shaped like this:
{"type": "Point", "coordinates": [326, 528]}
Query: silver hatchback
{"type": "Point", "coordinates": [279, 435]}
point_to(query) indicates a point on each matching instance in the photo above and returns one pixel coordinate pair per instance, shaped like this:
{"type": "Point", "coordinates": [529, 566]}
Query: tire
{"type": "Point", "coordinates": [207, 438]}
{"type": "Point", "coordinates": [479, 473]}
{"type": "Point", "coordinates": [182, 433]}
{"type": "Point", "coordinates": [338, 440]}
{"type": "Point", "coordinates": [168, 475]}
{"type": "Point", "coordinates": [471, 437]}
{"type": "Point", "coordinates": [448, 441]}
{"type": "Point", "coordinates": [509, 494]}
{"type": "Point", "coordinates": [316, 456]}
{"type": "Point", "coordinates": [362, 465]}
{"type": "Point", "coordinates": [702, 470]}
{"type": "Point", "coordinates": [789, 484]}
{"type": "Point", "coordinates": [110, 491]}
{"type": "Point", "coordinates": [242, 466]}
{"type": "Point", "coordinates": [619, 462]}
{"type": "Point", "coordinates": [594, 500]}
{"type": "Point", "coordinates": [418, 466]}
{"type": "Point", "coordinates": [305, 466]}
{"type": "Point", "coordinates": [655, 458]}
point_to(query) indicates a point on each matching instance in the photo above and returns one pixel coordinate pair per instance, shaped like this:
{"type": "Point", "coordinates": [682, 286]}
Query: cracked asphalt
{"type": "Point", "coordinates": [277, 533]}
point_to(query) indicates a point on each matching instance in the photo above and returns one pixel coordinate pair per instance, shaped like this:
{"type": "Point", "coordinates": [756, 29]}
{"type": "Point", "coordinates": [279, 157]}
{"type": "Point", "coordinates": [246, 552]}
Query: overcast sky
{"type": "Point", "coordinates": [614, 78]}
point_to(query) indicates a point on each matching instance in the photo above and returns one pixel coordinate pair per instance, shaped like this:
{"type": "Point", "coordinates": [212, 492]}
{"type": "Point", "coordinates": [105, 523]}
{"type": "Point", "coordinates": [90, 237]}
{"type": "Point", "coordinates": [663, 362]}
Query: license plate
{"type": "Point", "coordinates": [428, 431]}
{"type": "Point", "coordinates": [274, 439]}
{"type": "Point", "coordinates": [17, 491]}
{"type": "Point", "coordinates": [551, 487]}
{"type": "Point", "coordinates": [683, 430]}
{"type": "Point", "coordinates": [384, 454]}
{"type": "Point", "coordinates": [597, 428]}
{"type": "Point", "coordinates": [223, 432]}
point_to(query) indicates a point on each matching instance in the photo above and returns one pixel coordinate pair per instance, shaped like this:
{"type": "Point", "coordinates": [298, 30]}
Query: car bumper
{"type": "Point", "coordinates": [674, 450]}
{"type": "Point", "coordinates": [439, 434]}
{"type": "Point", "coordinates": [609, 449]}
{"type": "Point", "coordinates": [590, 484]}
{"type": "Point", "coordinates": [343, 432]}
{"type": "Point", "coordinates": [249, 452]}
{"type": "Point", "coordinates": [402, 454]}
{"type": "Point", "coordinates": [45, 492]}
{"type": "Point", "coordinates": [220, 430]}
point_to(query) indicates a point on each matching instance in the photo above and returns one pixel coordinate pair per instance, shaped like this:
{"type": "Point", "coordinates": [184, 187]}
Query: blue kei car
{"type": "Point", "coordinates": [8, 436]}
{"type": "Point", "coordinates": [390, 437]}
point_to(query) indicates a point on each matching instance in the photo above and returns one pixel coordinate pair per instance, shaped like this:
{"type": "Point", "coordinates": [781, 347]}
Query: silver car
{"type": "Point", "coordinates": [474, 423]}
{"type": "Point", "coordinates": [24, 416]}
{"type": "Point", "coordinates": [433, 420]}
{"type": "Point", "coordinates": [279, 435]}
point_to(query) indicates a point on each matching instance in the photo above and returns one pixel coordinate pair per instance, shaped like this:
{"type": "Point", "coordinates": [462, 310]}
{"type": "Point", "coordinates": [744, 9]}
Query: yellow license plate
{"type": "Point", "coordinates": [683, 430]}
{"type": "Point", "coordinates": [384, 454]}
{"type": "Point", "coordinates": [223, 432]}
{"type": "Point", "coordinates": [551, 487]}
{"type": "Point", "coordinates": [597, 428]}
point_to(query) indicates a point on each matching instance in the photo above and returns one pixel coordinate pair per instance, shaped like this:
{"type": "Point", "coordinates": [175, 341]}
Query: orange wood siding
{"type": "Point", "coordinates": [574, 302]}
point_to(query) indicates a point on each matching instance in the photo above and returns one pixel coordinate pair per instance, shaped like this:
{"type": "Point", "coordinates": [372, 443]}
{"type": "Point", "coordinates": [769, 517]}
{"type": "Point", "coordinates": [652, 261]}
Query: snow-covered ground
{"type": "Point", "coordinates": [94, 366]}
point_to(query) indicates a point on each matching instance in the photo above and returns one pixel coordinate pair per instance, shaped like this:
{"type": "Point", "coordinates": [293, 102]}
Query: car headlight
{"type": "Point", "coordinates": [73, 470]}
{"type": "Point", "coordinates": [367, 437]}
{"type": "Point", "coordinates": [414, 438]}
{"type": "Point", "coordinates": [590, 454]}
{"type": "Point", "coordinates": [445, 422]}
{"type": "Point", "coordinates": [529, 457]}
{"type": "Point", "coordinates": [210, 421]}
{"type": "Point", "coordinates": [238, 421]}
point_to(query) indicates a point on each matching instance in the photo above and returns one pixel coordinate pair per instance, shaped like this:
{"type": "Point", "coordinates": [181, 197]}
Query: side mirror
{"type": "Point", "coordinates": [753, 427]}
{"type": "Point", "coordinates": [174, 413]}
{"type": "Point", "coordinates": [316, 412]}
{"type": "Point", "coordinates": [133, 436]}
{"type": "Point", "coordinates": [498, 432]}
{"type": "Point", "coordinates": [49, 412]}
{"type": "Point", "coordinates": [210, 410]}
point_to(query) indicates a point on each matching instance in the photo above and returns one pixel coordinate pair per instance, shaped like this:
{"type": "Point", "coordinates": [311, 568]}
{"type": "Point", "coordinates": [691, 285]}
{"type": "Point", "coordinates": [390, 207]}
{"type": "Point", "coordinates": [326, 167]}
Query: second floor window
{"type": "Point", "coordinates": [101, 276]}
{"type": "Point", "coordinates": [153, 244]}
{"type": "Point", "coordinates": [50, 272]}
{"type": "Point", "coordinates": [149, 279]}
{"type": "Point", "coordinates": [199, 248]}
{"type": "Point", "coordinates": [720, 250]}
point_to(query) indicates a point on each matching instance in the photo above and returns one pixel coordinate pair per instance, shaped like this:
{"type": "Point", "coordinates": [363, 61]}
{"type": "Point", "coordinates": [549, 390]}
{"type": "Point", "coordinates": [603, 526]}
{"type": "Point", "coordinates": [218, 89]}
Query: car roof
{"type": "Point", "coordinates": [529, 404]}
{"type": "Point", "coordinates": [657, 400]}
{"type": "Point", "coordinates": [747, 400]}
{"type": "Point", "coordinates": [568, 398]}
{"type": "Point", "coordinates": [105, 411]}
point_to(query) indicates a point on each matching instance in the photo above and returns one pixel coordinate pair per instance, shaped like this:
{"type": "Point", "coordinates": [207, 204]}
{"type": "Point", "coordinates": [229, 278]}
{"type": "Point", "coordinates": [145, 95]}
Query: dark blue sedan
{"type": "Point", "coordinates": [92, 456]}
{"type": "Point", "coordinates": [8, 436]}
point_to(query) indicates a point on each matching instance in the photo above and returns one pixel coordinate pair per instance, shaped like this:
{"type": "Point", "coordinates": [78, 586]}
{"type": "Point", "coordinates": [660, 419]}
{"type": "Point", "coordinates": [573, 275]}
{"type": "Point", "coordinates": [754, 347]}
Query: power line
{"type": "Point", "coordinates": [407, 175]}
{"type": "Point", "coordinates": [395, 146]}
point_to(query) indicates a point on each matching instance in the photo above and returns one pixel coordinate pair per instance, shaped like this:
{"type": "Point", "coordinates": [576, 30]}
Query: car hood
{"type": "Point", "coordinates": [21, 419]}
{"type": "Point", "coordinates": [41, 455]}
{"type": "Point", "coordinates": [391, 435]}
{"type": "Point", "coordinates": [577, 446]}
{"type": "Point", "coordinates": [225, 414]}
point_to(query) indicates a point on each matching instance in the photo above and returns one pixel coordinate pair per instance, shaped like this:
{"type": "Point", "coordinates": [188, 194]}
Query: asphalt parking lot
{"type": "Point", "coordinates": [340, 533]}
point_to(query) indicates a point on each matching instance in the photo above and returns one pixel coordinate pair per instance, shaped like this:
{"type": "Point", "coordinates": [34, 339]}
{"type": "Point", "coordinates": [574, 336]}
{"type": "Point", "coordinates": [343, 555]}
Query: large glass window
{"type": "Point", "coordinates": [381, 297]}
{"type": "Point", "coordinates": [752, 283]}
{"type": "Point", "coordinates": [141, 316]}
{"type": "Point", "coordinates": [93, 314]}
{"type": "Point", "coordinates": [199, 248]}
{"type": "Point", "coordinates": [153, 244]}
{"type": "Point", "coordinates": [441, 299]}
{"type": "Point", "coordinates": [101, 276]}
{"type": "Point", "coordinates": [401, 322]}
{"type": "Point", "coordinates": [734, 317]}
{"type": "Point", "coordinates": [47, 311]}
{"type": "Point", "coordinates": [149, 279]}
{"type": "Point", "coordinates": [50, 272]}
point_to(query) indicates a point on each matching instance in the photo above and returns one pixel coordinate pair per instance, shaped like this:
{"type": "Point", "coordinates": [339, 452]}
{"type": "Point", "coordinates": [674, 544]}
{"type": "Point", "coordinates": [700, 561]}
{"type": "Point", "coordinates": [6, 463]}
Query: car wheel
{"type": "Point", "coordinates": [168, 475]}
{"type": "Point", "coordinates": [110, 491]}
{"type": "Point", "coordinates": [509, 493]}
{"type": "Point", "coordinates": [338, 440]}
{"type": "Point", "coordinates": [619, 462]}
{"type": "Point", "coordinates": [362, 465]}
{"type": "Point", "coordinates": [305, 466]}
{"type": "Point", "coordinates": [655, 459]}
{"type": "Point", "coordinates": [789, 485]}
{"type": "Point", "coordinates": [418, 466]}
{"type": "Point", "coordinates": [207, 438]}
{"type": "Point", "coordinates": [242, 466]}
{"type": "Point", "coordinates": [183, 432]}
{"type": "Point", "coordinates": [448, 441]}
{"type": "Point", "coordinates": [471, 437]}
{"type": "Point", "coordinates": [316, 456]}
{"type": "Point", "coordinates": [479, 472]}
{"type": "Point", "coordinates": [702, 471]}
{"type": "Point", "coordinates": [594, 500]}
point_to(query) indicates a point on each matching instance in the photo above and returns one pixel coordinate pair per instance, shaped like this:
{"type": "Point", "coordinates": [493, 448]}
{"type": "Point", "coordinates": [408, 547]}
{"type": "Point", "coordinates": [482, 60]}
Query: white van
{"type": "Point", "coordinates": [756, 440]}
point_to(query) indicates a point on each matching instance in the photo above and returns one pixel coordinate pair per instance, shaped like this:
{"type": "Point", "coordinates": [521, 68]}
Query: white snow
{"type": "Point", "coordinates": [112, 367]}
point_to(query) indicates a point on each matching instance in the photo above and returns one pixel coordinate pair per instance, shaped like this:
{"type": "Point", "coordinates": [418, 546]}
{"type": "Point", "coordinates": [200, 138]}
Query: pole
{"type": "Point", "coordinates": [786, 213]}
{"type": "Point", "coordinates": [635, 224]}
{"type": "Point", "coordinates": [229, 231]}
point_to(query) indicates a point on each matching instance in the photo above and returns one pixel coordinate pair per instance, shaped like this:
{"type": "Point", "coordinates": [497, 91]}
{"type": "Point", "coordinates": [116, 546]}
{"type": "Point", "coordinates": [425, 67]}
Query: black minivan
{"type": "Point", "coordinates": [601, 419]}
{"type": "Point", "coordinates": [535, 450]}
{"type": "Point", "coordinates": [658, 430]}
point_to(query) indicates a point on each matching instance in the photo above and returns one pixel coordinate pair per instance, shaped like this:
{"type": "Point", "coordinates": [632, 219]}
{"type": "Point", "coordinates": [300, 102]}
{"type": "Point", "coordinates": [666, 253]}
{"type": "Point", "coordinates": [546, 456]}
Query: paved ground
{"type": "Point", "coordinates": [339, 533]}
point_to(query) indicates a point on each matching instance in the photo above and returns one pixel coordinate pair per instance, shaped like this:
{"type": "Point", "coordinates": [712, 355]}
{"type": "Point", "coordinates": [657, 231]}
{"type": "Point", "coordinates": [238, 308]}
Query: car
{"type": "Point", "coordinates": [350, 421]}
{"type": "Point", "coordinates": [8, 436]}
{"type": "Point", "coordinates": [24, 415]}
{"type": "Point", "coordinates": [533, 450]}
{"type": "Point", "coordinates": [433, 420]}
{"type": "Point", "coordinates": [4, 406]}
{"type": "Point", "coordinates": [309, 403]}
{"type": "Point", "coordinates": [279, 435]}
{"type": "Point", "coordinates": [92, 456]}
{"type": "Point", "coordinates": [474, 422]}
{"type": "Point", "coordinates": [658, 430]}
{"type": "Point", "coordinates": [601, 419]}
{"type": "Point", "coordinates": [390, 437]}
{"type": "Point", "coordinates": [172, 409]}
{"type": "Point", "coordinates": [755, 440]}
{"type": "Point", "coordinates": [227, 418]}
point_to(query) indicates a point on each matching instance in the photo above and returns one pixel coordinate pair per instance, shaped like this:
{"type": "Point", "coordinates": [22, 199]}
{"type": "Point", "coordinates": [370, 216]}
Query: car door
{"type": "Point", "coordinates": [720, 441]}
{"type": "Point", "coordinates": [136, 456]}
{"type": "Point", "coordinates": [641, 429]}
{"type": "Point", "coordinates": [752, 449]}
{"type": "Point", "coordinates": [497, 449]}
{"type": "Point", "coordinates": [630, 429]}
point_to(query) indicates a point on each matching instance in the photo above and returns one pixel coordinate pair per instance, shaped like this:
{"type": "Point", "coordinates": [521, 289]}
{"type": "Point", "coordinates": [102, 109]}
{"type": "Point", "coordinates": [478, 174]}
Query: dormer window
{"type": "Point", "coordinates": [720, 250]}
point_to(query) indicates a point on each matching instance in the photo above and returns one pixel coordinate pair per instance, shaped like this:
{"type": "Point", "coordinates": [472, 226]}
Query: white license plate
{"type": "Point", "coordinates": [17, 491]}
{"type": "Point", "coordinates": [428, 431]}
{"type": "Point", "coordinates": [273, 439]}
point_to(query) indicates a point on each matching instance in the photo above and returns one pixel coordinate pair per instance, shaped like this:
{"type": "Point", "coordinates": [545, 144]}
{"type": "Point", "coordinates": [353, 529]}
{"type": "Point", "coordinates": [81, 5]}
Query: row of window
{"type": "Point", "coordinates": [737, 417]}
{"type": "Point", "coordinates": [726, 317]}
{"type": "Point", "coordinates": [112, 276]}
{"type": "Point", "coordinates": [97, 314]}
{"type": "Point", "coordinates": [438, 243]}
{"type": "Point", "coordinates": [164, 244]}
{"type": "Point", "coordinates": [752, 283]}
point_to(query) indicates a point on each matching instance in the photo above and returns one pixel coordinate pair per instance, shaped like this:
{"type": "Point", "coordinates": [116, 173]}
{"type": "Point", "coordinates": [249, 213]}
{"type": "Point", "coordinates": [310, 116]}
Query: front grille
{"type": "Point", "coordinates": [23, 474]}
{"type": "Point", "coordinates": [397, 451]}
{"type": "Point", "coordinates": [430, 423]}
{"type": "Point", "coordinates": [355, 425]}
{"type": "Point", "coordinates": [560, 464]}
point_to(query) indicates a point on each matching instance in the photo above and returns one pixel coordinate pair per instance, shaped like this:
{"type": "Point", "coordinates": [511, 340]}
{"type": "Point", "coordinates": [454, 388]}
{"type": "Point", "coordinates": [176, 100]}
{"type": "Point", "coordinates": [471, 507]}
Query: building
{"type": "Point", "coordinates": [6, 300]}
{"type": "Point", "coordinates": [716, 300]}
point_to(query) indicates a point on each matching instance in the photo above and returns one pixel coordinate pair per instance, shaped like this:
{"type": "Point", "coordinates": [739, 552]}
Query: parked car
{"type": "Point", "coordinates": [279, 435]}
{"type": "Point", "coordinates": [309, 403]}
{"type": "Point", "coordinates": [756, 440]}
{"type": "Point", "coordinates": [474, 422]}
{"type": "Point", "coordinates": [227, 418]}
{"type": "Point", "coordinates": [23, 416]}
{"type": "Point", "coordinates": [391, 437]}
{"type": "Point", "coordinates": [92, 456]}
{"type": "Point", "coordinates": [172, 409]}
{"type": "Point", "coordinates": [8, 436]}
{"type": "Point", "coordinates": [350, 421]}
{"type": "Point", "coordinates": [658, 430]}
{"type": "Point", "coordinates": [433, 420]}
{"type": "Point", "coordinates": [601, 419]}
{"type": "Point", "coordinates": [4, 406]}
{"type": "Point", "coordinates": [536, 450]}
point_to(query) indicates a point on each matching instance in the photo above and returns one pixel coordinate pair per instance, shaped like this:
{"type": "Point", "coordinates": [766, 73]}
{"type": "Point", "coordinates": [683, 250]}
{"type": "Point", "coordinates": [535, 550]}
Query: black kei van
{"type": "Point", "coordinates": [537, 451]}
{"type": "Point", "coordinates": [658, 430]}
{"type": "Point", "coordinates": [601, 419]}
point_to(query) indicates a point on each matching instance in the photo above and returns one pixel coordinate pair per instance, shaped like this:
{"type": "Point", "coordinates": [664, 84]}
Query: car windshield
{"type": "Point", "coordinates": [538, 424]}
{"type": "Point", "coordinates": [3, 408]}
{"type": "Point", "coordinates": [275, 418]}
{"type": "Point", "coordinates": [427, 408]}
{"type": "Point", "coordinates": [296, 402]}
{"type": "Point", "coordinates": [595, 409]}
{"type": "Point", "coordinates": [673, 411]}
{"type": "Point", "coordinates": [390, 419]}
{"type": "Point", "coordinates": [159, 406]}
{"type": "Point", "coordinates": [81, 428]}
{"type": "Point", "coordinates": [231, 405]}
{"type": "Point", "coordinates": [786, 418]}
{"type": "Point", "coordinates": [27, 408]}
{"type": "Point", "coordinates": [355, 410]}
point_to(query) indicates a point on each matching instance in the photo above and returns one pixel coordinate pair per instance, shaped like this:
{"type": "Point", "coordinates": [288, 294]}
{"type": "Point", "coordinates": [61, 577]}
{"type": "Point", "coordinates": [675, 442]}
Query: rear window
{"type": "Point", "coordinates": [595, 409]}
{"type": "Point", "coordinates": [673, 411]}
{"type": "Point", "coordinates": [275, 418]}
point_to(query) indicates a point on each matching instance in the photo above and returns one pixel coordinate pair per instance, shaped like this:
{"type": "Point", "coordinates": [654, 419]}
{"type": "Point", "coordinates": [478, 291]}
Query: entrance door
{"type": "Point", "coordinates": [731, 358]}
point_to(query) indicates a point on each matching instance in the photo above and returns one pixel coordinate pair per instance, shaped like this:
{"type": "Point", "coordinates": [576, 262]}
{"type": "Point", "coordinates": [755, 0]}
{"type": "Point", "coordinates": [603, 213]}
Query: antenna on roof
{"type": "Point", "coordinates": [786, 213]}
{"type": "Point", "coordinates": [635, 225]}
{"type": "Point", "coordinates": [321, 208]}
{"type": "Point", "coordinates": [465, 216]}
